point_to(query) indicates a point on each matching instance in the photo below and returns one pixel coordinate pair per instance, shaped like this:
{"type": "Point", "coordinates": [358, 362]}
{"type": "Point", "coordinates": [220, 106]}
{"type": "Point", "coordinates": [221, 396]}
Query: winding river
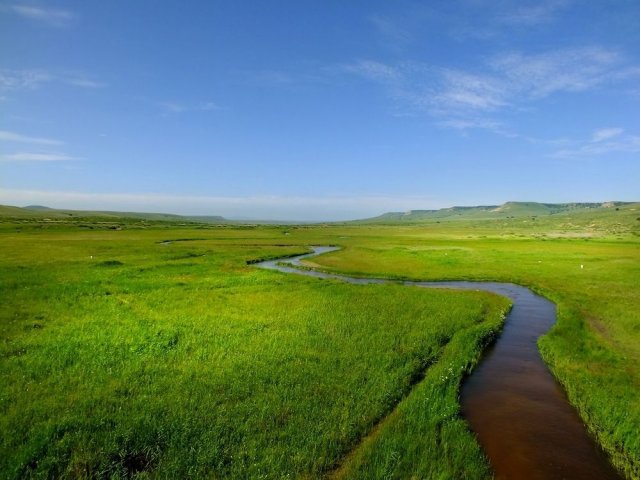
{"type": "Point", "coordinates": [518, 411]}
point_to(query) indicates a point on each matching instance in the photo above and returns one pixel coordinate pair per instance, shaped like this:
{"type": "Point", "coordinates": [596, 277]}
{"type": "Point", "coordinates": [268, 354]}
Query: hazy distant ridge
{"type": "Point", "coordinates": [506, 210]}
{"type": "Point", "coordinates": [481, 212]}
{"type": "Point", "coordinates": [40, 211]}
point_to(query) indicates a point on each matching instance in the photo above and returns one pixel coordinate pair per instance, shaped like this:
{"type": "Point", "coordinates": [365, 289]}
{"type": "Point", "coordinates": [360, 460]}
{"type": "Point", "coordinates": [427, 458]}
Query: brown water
{"type": "Point", "coordinates": [519, 413]}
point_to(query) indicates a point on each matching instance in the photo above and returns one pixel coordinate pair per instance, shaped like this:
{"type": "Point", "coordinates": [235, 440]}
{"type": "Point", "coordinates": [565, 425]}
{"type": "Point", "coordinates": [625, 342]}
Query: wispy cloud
{"type": "Point", "coordinates": [606, 134]}
{"type": "Point", "coordinates": [373, 70]}
{"type": "Point", "coordinates": [395, 33]}
{"type": "Point", "coordinates": [82, 82]}
{"type": "Point", "coordinates": [49, 16]}
{"type": "Point", "coordinates": [39, 152]}
{"type": "Point", "coordinates": [462, 90]}
{"type": "Point", "coordinates": [178, 107]}
{"type": "Point", "coordinates": [463, 20]}
{"type": "Point", "coordinates": [602, 141]}
{"type": "Point", "coordinates": [14, 80]}
{"type": "Point", "coordinates": [35, 157]}
{"type": "Point", "coordinates": [308, 73]}
{"type": "Point", "coordinates": [478, 123]}
{"type": "Point", "coordinates": [463, 98]}
{"type": "Point", "coordinates": [568, 70]}
{"type": "Point", "coordinates": [494, 126]}
{"type": "Point", "coordinates": [270, 78]}
{"type": "Point", "coordinates": [516, 78]}
{"type": "Point", "coordinates": [540, 12]}
{"type": "Point", "coordinates": [23, 79]}
{"type": "Point", "coordinates": [484, 20]}
{"type": "Point", "coordinates": [6, 136]}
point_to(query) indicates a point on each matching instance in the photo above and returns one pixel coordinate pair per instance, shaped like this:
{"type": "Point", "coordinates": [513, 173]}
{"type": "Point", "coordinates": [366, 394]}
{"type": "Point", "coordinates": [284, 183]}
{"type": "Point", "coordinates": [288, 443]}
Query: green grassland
{"type": "Point", "coordinates": [126, 356]}
{"type": "Point", "coordinates": [123, 355]}
{"type": "Point", "coordinates": [589, 264]}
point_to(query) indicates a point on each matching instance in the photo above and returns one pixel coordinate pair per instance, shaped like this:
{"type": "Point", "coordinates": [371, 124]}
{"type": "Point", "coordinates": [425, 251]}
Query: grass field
{"type": "Point", "coordinates": [594, 278]}
{"type": "Point", "coordinates": [123, 355]}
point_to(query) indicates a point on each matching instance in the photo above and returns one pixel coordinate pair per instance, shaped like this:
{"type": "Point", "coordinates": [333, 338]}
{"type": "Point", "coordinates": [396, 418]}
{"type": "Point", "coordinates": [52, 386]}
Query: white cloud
{"type": "Point", "coordinates": [172, 107]}
{"type": "Point", "coordinates": [484, 123]}
{"type": "Point", "coordinates": [35, 157]}
{"type": "Point", "coordinates": [50, 16]}
{"type": "Point", "coordinates": [469, 91]}
{"type": "Point", "coordinates": [256, 207]}
{"type": "Point", "coordinates": [516, 78]}
{"type": "Point", "coordinates": [23, 79]}
{"type": "Point", "coordinates": [6, 136]}
{"type": "Point", "coordinates": [606, 134]}
{"type": "Point", "coordinates": [531, 15]}
{"type": "Point", "coordinates": [463, 20]}
{"type": "Point", "coordinates": [12, 80]}
{"type": "Point", "coordinates": [511, 80]}
{"type": "Point", "coordinates": [468, 123]}
{"type": "Point", "coordinates": [568, 70]}
{"type": "Point", "coordinates": [271, 78]}
{"type": "Point", "coordinates": [209, 106]}
{"type": "Point", "coordinates": [82, 82]}
{"type": "Point", "coordinates": [395, 32]}
{"type": "Point", "coordinates": [178, 107]}
{"type": "Point", "coordinates": [373, 70]}
{"type": "Point", "coordinates": [602, 142]}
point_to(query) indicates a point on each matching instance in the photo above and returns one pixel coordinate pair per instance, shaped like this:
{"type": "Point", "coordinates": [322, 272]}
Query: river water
{"type": "Point", "coordinates": [517, 410]}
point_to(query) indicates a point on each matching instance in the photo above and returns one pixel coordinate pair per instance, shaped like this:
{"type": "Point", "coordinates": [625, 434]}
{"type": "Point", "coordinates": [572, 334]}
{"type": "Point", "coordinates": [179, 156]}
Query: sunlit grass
{"type": "Point", "coordinates": [122, 356]}
{"type": "Point", "coordinates": [594, 349]}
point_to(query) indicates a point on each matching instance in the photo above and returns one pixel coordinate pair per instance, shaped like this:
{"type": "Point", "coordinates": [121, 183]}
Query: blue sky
{"type": "Point", "coordinates": [317, 110]}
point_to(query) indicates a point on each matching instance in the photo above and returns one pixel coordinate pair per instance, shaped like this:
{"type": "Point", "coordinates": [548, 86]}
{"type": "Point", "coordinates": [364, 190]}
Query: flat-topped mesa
{"type": "Point", "coordinates": [487, 212]}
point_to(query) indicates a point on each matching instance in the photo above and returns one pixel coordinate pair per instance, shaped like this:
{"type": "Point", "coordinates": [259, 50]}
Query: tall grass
{"type": "Point", "coordinates": [125, 357]}
{"type": "Point", "coordinates": [594, 349]}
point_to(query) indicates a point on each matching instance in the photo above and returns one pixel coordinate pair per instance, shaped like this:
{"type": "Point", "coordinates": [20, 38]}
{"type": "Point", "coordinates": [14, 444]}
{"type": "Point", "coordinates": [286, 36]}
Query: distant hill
{"type": "Point", "coordinates": [509, 210]}
{"type": "Point", "coordinates": [37, 207]}
{"type": "Point", "coordinates": [35, 212]}
{"type": "Point", "coordinates": [487, 212]}
{"type": "Point", "coordinates": [39, 211]}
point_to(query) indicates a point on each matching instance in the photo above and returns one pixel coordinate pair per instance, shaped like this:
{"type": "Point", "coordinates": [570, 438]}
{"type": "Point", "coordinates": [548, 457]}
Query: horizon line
{"type": "Point", "coordinates": [262, 208]}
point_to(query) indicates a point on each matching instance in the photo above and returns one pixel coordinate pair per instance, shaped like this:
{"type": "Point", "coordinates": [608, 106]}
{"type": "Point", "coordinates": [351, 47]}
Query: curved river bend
{"type": "Point", "coordinates": [519, 413]}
